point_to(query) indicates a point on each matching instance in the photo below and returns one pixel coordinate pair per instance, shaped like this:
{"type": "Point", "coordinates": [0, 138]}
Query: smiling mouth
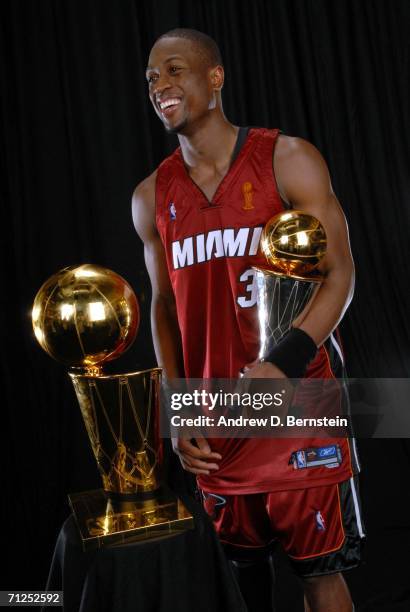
{"type": "Point", "coordinates": [167, 107]}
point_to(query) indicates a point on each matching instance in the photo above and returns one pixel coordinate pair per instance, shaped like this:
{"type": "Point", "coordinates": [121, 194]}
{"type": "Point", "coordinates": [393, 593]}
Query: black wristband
{"type": "Point", "coordinates": [293, 353]}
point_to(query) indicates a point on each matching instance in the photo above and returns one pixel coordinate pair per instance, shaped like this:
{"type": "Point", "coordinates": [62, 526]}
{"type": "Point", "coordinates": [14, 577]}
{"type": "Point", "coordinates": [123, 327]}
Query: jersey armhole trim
{"type": "Point", "coordinates": [286, 205]}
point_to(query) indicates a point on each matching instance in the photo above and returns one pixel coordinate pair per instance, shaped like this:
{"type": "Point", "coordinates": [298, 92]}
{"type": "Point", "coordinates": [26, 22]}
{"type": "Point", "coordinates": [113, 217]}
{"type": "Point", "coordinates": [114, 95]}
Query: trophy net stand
{"type": "Point", "coordinates": [121, 415]}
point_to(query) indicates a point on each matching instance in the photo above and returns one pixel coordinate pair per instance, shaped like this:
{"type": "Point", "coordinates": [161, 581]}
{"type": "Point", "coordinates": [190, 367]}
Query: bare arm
{"type": "Point", "coordinates": [164, 321]}
{"type": "Point", "coordinates": [303, 181]}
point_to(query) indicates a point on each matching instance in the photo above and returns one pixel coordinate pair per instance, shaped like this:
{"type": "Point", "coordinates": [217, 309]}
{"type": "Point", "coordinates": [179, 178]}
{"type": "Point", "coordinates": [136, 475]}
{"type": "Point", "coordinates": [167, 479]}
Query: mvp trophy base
{"type": "Point", "coordinates": [105, 522]}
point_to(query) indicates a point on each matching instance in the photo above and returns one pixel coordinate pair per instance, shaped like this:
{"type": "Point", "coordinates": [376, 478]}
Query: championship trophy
{"type": "Point", "coordinates": [293, 243]}
{"type": "Point", "coordinates": [84, 317]}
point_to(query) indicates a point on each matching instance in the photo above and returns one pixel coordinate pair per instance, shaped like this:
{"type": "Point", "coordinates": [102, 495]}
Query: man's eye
{"type": "Point", "coordinates": [174, 69]}
{"type": "Point", "coordinates": [151, 78]}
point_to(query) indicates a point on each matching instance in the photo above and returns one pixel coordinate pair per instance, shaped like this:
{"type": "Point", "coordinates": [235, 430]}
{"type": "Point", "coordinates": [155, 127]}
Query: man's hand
{"type": "Point", "coordinates": [195, 459]}
{"type": "Point", "coordinates": [262, 369]}
{"type": "Point", "coordinates": [266, 370]}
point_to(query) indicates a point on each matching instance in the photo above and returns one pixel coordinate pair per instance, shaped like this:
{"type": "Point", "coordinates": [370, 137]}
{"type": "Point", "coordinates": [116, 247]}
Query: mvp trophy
{"type": "Point", "coordinates": [83, 317]}
{"type": "Point", "coordinates": [293, 243]}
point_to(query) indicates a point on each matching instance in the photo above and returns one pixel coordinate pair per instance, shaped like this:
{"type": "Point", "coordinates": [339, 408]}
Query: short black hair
{"type": "Point", "coordinates": [205, 45]}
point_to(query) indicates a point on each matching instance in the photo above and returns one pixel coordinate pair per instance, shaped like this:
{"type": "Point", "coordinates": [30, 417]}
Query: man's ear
{"type": "Point", "coordinates": [217, 78]}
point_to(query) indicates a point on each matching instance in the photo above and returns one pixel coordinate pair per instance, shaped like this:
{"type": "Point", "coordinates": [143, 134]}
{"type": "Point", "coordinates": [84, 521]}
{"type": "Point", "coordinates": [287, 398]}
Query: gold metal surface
{"type": "Point", "coordinates": [102, 522]}
{"type": "Point", "coordinates": [86, 315]}
{"type": "Point", "coordinates": [294, 243]}
{"type": "Point", "coordinates": [314, 276]}
{"type": "Point", "coordinates": [121, 415]}
{"type": "Point", "coordinates": [83, 317]}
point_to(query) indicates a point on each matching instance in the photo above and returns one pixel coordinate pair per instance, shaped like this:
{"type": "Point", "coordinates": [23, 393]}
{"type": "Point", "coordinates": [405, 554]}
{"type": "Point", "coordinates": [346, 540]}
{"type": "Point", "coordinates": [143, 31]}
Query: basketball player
{"type": "Point", "coordinates": [200, 216]}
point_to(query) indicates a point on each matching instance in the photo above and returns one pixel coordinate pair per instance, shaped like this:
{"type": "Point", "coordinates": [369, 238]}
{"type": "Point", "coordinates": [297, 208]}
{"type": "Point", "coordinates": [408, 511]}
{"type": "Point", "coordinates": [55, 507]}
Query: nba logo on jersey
{"type": "Point", "coordinates": [172, 211]}
{"type": "Point", "coordinates": [301, 459]}
{"type": "Point", "coordinates": [320, 521]}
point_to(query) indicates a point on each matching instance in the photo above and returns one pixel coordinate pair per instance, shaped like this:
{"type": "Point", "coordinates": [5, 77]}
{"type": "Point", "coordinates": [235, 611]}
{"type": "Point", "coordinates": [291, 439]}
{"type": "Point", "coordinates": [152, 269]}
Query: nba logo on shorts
{"type": "Point", "coordinates": [172, 211]}
{"type": "Point", "coordinates": [320, 521]}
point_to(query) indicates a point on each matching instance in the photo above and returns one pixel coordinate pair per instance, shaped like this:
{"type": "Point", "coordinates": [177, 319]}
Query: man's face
{"type": "Point", "coordinates": [180, 84]}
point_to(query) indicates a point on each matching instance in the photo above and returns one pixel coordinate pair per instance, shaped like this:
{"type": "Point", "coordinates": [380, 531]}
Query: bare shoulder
{"type": "Point", "coordinates": [300, 167]}
{"type": "Point", "coordinates": [297, 152]}
{"type": "Point", "coordinates": [143, 207]}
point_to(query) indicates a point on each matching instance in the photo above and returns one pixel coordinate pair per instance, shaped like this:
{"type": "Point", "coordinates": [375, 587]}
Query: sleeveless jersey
{"type": "Point", "coordinates": [210, 249]}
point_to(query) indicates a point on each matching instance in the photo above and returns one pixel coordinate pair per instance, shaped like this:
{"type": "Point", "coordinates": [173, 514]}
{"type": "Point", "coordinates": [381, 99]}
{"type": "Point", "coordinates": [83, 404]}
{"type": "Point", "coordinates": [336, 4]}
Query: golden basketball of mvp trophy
{"type": "Point", "coordinates": [83, 317]}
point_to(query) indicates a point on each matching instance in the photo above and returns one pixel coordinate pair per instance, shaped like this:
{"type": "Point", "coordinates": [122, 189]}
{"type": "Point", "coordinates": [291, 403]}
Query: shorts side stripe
{"type": "Point", "coordinates": [356, 456]}
{"type": "Point", "coordinates": [337, 348]}
{"type": "Point", "coordinates": [357, 509]}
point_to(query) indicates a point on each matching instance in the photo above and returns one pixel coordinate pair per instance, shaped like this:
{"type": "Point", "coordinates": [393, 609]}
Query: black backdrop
{"type": "Point", "coordinates": [78, 133]}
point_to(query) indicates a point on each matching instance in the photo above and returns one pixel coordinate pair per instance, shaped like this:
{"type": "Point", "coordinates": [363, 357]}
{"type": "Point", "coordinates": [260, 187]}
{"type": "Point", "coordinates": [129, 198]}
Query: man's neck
{"type": "Point", "coordinates": [211, 145]}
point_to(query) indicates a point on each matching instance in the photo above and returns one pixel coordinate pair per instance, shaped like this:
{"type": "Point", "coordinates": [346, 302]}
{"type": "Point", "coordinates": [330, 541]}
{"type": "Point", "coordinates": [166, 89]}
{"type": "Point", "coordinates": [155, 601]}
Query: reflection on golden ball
{"type": "Point", "coordinates": [85, 315]}
{"type": "Point", "coordinates": [293, 243]}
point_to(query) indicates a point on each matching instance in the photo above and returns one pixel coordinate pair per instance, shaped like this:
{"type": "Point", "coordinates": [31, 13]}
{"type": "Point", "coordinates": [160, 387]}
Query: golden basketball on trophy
{"type": "Point", "coordinates": [294, 243]}
{"type": "Point", "coordinates": [85, 316]}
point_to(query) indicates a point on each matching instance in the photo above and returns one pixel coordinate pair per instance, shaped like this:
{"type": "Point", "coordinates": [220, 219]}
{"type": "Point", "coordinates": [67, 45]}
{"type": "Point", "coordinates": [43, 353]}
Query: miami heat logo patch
{"type": "Point", "coordinates": [247, 192]}
{"type": "Point", "coordinates": [320, 521]}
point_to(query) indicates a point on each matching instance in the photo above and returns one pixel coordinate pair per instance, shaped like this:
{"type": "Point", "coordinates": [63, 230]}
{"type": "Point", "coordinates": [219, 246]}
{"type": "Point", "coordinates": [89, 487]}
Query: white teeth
{"type": "Point", "coordinates": [169, 102]}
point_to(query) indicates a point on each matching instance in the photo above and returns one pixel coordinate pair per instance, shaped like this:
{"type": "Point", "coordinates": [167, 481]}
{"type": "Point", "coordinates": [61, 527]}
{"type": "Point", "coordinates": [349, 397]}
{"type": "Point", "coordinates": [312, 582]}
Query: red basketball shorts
{"type": "Point", "coordinates": [320, 528]}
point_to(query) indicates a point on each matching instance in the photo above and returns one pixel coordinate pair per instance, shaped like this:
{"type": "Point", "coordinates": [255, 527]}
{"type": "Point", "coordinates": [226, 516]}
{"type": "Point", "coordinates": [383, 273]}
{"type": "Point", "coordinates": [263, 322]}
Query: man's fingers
{"type": "Point", "coordinates": [186, 446]}
{"type": "Point", "coordinates": [192, 457]}
{"type": "Point", "coordinates": [197, 463]}
{"type": "Point", "coordinates": [205, 448]}
{"type": "Point", "coordinates": [249, 366]}
{"type": "Point", "coordinates": [187, 466]}
{"type": "Point", "coordinates": [194, 470]}
{"type": "Point", "coordinates": [203, 445]}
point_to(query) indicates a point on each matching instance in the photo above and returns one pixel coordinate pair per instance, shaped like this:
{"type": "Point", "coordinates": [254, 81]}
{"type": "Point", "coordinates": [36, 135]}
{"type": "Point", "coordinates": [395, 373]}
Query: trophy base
{"type": "Point", "coordinates": [106, 522]}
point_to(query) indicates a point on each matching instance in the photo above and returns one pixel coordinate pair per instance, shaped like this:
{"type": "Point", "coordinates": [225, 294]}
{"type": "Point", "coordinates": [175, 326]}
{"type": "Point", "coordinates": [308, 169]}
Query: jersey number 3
{"type": "Point", "coordinates": [250, 288]}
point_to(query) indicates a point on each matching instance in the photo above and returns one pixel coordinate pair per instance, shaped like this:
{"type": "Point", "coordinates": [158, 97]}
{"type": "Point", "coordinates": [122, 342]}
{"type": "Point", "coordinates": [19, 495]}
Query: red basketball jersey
{"type": "Point", "coordinates": [210, 250]}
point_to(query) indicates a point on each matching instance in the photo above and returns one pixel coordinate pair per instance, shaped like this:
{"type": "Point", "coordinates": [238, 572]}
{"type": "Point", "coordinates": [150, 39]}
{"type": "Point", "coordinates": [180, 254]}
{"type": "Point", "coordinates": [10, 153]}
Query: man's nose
{"type": "Point", "coordinates": [161, 84]}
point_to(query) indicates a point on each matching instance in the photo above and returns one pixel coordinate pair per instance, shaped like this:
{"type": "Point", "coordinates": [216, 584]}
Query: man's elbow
{"type": "Point", "coordinates": [341, 276]}
{"type": "Point", "coordinates": [352, 283]}
{"type": "Point", "coordinates": [347, 279]}
{"type": "Point", "coordinates": [348, 273]}
{"type": "Point", "coordinates": [163, 304]}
